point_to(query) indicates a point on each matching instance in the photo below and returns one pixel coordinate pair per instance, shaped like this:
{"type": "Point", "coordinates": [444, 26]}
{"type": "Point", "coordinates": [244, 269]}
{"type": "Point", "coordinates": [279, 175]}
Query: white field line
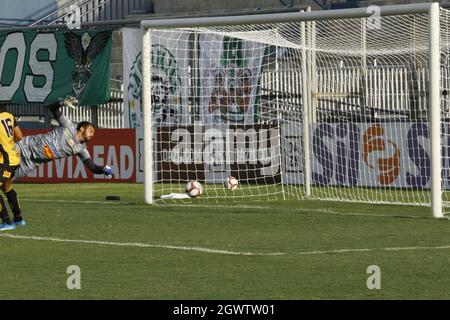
{"type": "Point", "coordinates": [138, 245]}
{"type": "Point", "coordinates": [145, 206]}
{"type": "Point", "coordinates": [71, 201]}
{"type": "Point", "coordinates": [219, 251]}
{"type": "Point", "coordinates": [231, 206]}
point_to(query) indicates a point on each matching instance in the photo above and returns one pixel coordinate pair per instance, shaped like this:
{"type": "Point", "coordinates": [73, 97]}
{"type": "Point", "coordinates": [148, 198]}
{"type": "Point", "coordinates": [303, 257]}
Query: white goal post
{"type": "Point", "coordinates": [355, 96]}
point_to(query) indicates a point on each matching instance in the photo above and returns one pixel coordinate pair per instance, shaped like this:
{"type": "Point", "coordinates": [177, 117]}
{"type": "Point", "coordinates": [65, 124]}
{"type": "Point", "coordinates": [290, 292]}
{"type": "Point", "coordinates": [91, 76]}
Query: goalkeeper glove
{"type": "Point", "coordinates": [70, 102]}
{"type": "Point", "coordinates": [107, 171]}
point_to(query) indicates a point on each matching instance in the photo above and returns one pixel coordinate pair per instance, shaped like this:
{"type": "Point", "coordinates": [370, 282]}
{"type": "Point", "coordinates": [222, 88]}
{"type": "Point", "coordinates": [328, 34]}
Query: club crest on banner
{"type": "Point", "coordinates": [134, 92]}
{"type": "Point", "coordinates": [84, 49]}
{"type": "Point", "coordinates": [167, 100]}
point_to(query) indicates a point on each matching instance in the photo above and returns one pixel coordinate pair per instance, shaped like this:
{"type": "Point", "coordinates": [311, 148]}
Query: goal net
{"type": "Point", "coordinates": [335, 105]}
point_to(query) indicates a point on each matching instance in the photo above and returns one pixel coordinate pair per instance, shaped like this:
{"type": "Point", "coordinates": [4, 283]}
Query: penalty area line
{"type": "Point", "coordinates": [220, 251]}
{"type": "Point", "coordinates": [138, 245]}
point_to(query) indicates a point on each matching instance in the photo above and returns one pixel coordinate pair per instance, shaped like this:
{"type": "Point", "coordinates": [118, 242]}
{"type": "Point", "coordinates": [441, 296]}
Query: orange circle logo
{"type": "Point", "coordinates": [388, 167]}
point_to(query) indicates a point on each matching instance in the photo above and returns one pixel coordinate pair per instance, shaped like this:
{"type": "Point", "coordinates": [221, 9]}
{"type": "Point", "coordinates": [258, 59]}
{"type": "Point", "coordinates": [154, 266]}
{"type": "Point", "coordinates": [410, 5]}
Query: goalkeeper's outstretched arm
{"type": "Point", "coordinates": [87, 161]}
{"type": "Point", "coordinates": [56, 111]}
{"type": "Point", "coordinates": [106, 170]}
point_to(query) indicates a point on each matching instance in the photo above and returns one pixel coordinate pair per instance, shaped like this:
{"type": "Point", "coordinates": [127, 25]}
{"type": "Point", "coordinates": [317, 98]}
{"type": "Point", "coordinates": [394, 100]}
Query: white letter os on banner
{"type": "Point", "coordinates": [43, 41]}
{"type": "Point", "coordinates": [14, 41]}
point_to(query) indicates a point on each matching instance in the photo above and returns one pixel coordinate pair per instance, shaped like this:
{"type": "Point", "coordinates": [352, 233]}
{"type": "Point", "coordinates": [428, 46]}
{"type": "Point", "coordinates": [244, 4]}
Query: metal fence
{"type": "Point", "coordinates": [384, 92]}
{"type": "Point", "coordinates": [111, 115]}
{"type": "Point", "coordinates": [108, 115]}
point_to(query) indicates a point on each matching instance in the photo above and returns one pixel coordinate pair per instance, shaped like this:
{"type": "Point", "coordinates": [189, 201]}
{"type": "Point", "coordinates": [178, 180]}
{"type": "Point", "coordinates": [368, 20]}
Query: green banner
{"type": "Point", "coordinates": [40, 67]}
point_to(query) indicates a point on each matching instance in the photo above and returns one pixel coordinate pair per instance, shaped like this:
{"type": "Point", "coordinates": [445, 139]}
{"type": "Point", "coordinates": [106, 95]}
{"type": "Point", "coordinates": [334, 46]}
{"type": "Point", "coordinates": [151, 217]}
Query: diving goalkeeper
{"type": "Point", "coordinates": [63, 141]}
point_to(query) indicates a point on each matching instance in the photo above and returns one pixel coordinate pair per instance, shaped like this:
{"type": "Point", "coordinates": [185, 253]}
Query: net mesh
{"type": "Point", "coordinates": [233, 99]}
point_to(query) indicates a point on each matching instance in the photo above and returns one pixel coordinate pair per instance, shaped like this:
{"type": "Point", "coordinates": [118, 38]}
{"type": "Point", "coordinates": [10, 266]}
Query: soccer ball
{"type": "Point", "coordinates": [194, 189]}
{"type": "Point", "coordinates": [231, 183]}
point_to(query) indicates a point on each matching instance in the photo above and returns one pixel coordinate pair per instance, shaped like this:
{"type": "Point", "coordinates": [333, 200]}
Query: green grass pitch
{"type": "Point", "coordinates": [230, 250]}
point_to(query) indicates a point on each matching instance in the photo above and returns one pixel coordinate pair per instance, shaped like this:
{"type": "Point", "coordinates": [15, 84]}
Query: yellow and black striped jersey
{"type": "Point", "coordinates": [8, 153]}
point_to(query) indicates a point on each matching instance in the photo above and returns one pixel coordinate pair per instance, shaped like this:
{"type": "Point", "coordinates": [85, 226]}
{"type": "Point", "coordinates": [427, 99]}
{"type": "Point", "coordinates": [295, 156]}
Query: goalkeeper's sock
{"type": "Point", "coordinates": [3, 213]}
{"type": "Point", "coordinates": [13, 201]}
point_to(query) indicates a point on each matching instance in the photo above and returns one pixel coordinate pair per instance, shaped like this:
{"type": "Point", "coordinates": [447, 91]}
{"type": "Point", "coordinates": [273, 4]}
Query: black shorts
{"type": "Point", "coordinates": [7, 172]}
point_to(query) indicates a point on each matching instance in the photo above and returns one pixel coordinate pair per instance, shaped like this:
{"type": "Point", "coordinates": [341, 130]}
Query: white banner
{"type": "Point", "coordinates": [229, 70]}
{"type": "Point", "coordinates": [169, 77]}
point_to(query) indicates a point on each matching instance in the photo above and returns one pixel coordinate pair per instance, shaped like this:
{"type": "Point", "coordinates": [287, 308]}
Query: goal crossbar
{"type": "Point", "coordinates": [285, 17]}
